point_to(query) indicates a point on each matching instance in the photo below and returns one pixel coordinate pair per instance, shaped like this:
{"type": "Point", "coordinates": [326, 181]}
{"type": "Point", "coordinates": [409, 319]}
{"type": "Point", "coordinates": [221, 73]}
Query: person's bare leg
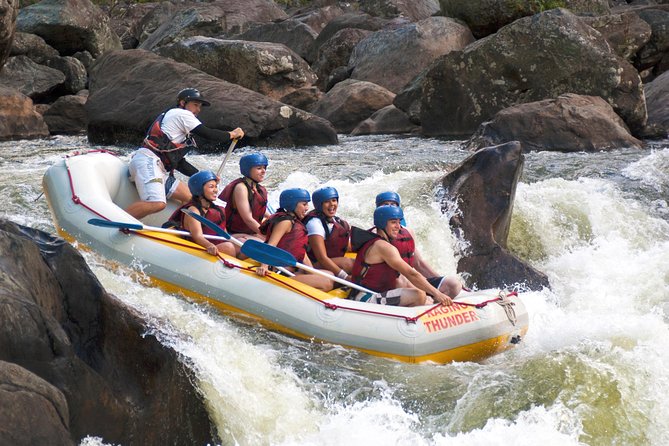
{"type": "Point", "coordinates": [140, 209]}
{"type": "Point", "coordinates": [451, 286]}
{"type": "Point", "coordinates": [316, 281]}
{"type": "Point", "coordinates": [181, 194]}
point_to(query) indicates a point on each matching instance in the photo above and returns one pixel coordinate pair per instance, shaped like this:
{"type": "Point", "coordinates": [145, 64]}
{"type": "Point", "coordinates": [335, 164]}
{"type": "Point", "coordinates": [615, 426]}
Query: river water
{"type": "Point", "coordinates": [593, 368]}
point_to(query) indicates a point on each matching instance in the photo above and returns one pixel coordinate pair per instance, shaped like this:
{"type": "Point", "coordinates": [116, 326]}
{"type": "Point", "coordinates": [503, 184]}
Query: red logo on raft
{"type": "Point", "coordinates": [442, 317]}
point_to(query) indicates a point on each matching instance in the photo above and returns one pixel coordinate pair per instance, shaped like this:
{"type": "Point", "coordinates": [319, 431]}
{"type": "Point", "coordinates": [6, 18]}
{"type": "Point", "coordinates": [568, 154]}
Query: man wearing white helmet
{"type": "Point", "coordinates": [163, 151]}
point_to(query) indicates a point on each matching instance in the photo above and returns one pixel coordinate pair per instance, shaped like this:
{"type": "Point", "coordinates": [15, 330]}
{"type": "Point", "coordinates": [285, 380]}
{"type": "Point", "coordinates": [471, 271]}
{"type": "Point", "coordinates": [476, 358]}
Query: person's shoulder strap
{"type": "Point", "coordinates": [359, 237]}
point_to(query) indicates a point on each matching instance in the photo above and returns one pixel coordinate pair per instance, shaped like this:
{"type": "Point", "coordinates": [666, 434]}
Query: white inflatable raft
{"type": "Point", "coordinates": [95, 185]}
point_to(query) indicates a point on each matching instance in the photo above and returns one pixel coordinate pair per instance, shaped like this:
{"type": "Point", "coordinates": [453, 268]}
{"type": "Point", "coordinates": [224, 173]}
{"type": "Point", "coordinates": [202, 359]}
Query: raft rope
{"type": "Point", "coordinates": [507, 305]}
{"type": "Point", "coordinates": [502, 298]}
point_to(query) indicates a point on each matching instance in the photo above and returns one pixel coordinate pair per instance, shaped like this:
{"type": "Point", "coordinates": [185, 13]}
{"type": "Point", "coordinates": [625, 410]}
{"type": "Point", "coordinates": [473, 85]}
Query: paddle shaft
{"type": "Point", "coordinates": [335, 278]}
{"type": "Point", "coordinates": [213, 226]}
{"type": "Point", "coordinates": [225, 160]}
{"type": "Point", "coordinates": [135, 227]}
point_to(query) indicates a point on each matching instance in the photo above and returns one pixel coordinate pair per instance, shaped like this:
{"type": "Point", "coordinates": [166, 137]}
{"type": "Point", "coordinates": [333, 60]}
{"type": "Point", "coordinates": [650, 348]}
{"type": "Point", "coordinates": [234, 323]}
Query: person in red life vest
{"type": "Point", "coordinates": [329, 235]}
{"type": "Point", "coordinates": [246, 199]}
{"type": "Point", "coordinates": [378, 264]}
{"type": "Point", "coordinates": [163, 151]}
{"type": "Point", "coordinates": [406, 245]}
{"type": "Point", "coordinates": [204, 188]}
{"type": "Point", "coordinates": [284, 229]}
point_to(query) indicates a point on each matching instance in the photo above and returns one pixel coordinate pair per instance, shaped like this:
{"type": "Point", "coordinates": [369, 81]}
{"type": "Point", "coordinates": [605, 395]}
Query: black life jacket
{"type": "Point", "coordinates": [170, 154]}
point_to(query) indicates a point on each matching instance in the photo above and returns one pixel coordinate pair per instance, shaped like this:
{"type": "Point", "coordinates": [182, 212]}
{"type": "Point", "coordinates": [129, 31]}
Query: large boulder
{"type": "Point", "coordinates": [105, 375]}
{"type": "Point", "coordinates": [318, 18]}
{"type": "Point", "coordinates": [657, 98]}
{"type": "Point", "coordinates": [388, 120]}
{"type": "Point", "coordinates": [271, 69]}
{"type": "Point", "coordinates": [335, 53]}
{"type": "Point", "coordinates": [128, 89]}
{"type": "Point", "coordinates": [534, 58]}
{"type": "Point", "coordinates": [570, 123]}
{"type": "Point", "coordinates": [626, 32]}
{"type": "Point", "coordinates": [350, 102]}
{"type": "Point", "coordinates": [36, 81]}
{"type": "Point", "coordinates": [392, 58]}
{"type": "Point", "coordinates": [485, 17]}
{"type": "Point", "coordinates": [23, 394]}
{"type": "Point", "coordinates": [8, 11]}
{"type": "Point", "coordinates": [414, 10]}
{"type": "Point", "coordinates": [484, 188]}
{"type": "Point", "coordinates": [658, 45]}
{"type": "Point", "coordinates": [67, 115]}
{"type": "Point", "coordinates": [69, 26]}
{"type": "Point", "coordinates": [351, 20]}
{"type": "Point", "coordinates": [18, 118]}
{"type": "Point", "coordinates": [76, 76]}
{"type": "Point", "coordinates": [296, 35]}
{"type": "Point", "coordinates": [34, 47]}
{"type": "Point", "coordinates": [223, 17]}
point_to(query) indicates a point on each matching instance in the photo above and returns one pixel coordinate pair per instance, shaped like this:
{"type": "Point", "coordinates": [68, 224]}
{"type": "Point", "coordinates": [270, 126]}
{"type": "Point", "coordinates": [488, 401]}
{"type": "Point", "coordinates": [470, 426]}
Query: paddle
{"type": "Point", "coordinates": [225, 160]}
{"type": "Point", "coordinates": [140, 227]}
{"type": "Point", "coordinates": [222, 232]}
{"type": "Point", "coordinates": [274, 256]}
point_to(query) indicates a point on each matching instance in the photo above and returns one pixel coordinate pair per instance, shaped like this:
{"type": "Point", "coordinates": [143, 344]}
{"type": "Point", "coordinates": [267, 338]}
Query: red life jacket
{"type": "Point", "coordinates": [169, 153]}
{"type": "Point", "coordinates": [257, 202]}
{"type": "Point", "coordinates": [295, 241]}
{"type": "Point", "coordinates": [336, 240]}
{"type": "Point", "coordinates": [214, 214]}
{"type": "Point", "coordinates": [405, 245]}
{"type": "Point", "coordinates": [378, 277]}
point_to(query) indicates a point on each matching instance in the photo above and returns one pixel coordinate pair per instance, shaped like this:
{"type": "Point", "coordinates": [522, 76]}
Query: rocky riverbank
{"type": "Point", "coordinates": [296, 76]}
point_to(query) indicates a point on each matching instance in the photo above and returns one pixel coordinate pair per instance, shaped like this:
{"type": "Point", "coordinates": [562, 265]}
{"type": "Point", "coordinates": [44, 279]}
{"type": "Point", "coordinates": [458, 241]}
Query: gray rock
{"type": "Point", "coordinates": [8, 12]}
{"type": "Point", "coordinates": [67, 115]}
{"type": "Point", "coordinates": [336, 53]}
{"type": "Point", "coordinates": [75, 73]}
{"type": "Point", "coordinates": [123, 102]}
{"type": "Point", "coordinates": [212, 19]}
{"type": "Point", "coordinates": [657, 100]}
{"type": "Point", "coordinates": [33, 80]}
{"type": "Point", "coordinates": [351, 102]}
{"type": "Point", "coordinates": [392, 58]}
{"type": "Point", "coordinates": [570, 123]}
{"type": "Point", "coordinates": [388, 120]}
{"type": "Point", "coordinates": [58, 323]}
{"type": "Point", "coordinates": [296, 35]}
{"type": "Point", "coordinates": [69, 26]}
{"type": "Point", "coordinates": [24, 394]}
{"type": "Point", "coordinates": [534, 58]}
{"type": "Point", "coordinates": [626, 32]}
{"type": "Point", "coordinates": [414, 10]}
{"type": "Point", "coordinates": [485, 17]}
{"type": "Point", "coordinates": [34, 47]}
{"type": "Point", "coordinates": [484, 186]}
{"type": "Point", "coordinates": [271, 69]}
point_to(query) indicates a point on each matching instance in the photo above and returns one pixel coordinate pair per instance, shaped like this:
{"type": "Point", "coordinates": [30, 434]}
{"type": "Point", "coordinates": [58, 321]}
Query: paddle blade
{"type": "Point", "coordinates": [208, 223]}
{"type": "Point", "coordinates": [114, 224]}
{"type": "Point", "coordinates": [264, 253]}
